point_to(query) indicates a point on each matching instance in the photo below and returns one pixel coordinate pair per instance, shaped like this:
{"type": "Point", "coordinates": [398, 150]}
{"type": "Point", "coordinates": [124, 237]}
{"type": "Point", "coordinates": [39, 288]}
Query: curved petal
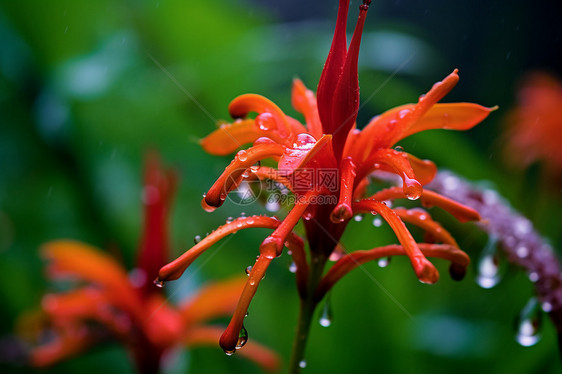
{"type": "Point", "coordinates": [352, 260]}
{"type": "Point", "coordinates": [229, 137]}
{"type": "Point", "coordinates": [424, 269]}
{"type": "Point", "coordinates": [175, 269]}
{"type": "Point", "coordinates": [450, 116]}
{"type": "Point", "coordinates": [90, 264]}
{"type": "Point", "coordinates": [214, 300]}
{"type": "Point", "coordinates": [272, 116]}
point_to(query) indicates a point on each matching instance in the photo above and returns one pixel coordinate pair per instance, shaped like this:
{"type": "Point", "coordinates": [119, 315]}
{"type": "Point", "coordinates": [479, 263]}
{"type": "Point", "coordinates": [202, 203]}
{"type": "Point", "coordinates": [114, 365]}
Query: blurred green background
{"type": "Point", "coordinates": [86, 87]}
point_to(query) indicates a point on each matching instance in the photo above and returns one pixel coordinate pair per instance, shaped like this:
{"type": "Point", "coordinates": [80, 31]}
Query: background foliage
{"type": "Point", "coordinates": [86, 87]}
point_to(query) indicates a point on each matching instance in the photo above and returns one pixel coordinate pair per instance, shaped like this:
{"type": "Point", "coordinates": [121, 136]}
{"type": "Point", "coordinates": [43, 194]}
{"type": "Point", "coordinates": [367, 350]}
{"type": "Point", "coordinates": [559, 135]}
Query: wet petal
{"type": "Point", "coordinates": [229, 137]}
{"type": "Point", "coordinates": [424, 269]}
{"type": "Point", "coordinates": [244, 104]}
{"type": "Point", "coordinates": [422, 219]}
{"type": "Point", "coordinates": [355, 259]}
{"type": "Point", "coordinates": [343, 211]}
{"type": "Point", "coordinates": [233, 173]}
{"type": "Point", "coordinates": [175, 269]}
{"type": "Point", "coordinates": [454, 116]}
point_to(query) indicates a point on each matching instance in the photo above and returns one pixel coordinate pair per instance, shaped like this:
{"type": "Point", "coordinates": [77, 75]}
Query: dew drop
{"type": "Point", "coordinates": [293, 267]}
{"type": "Point", "coordinates": [399, 148]}
{"type": "Point", "coordinates": [229, 220]}
{"type": "Point", "coordinates": [272, 206]}
{"type": "Point", "coordinates": [377, 222]}
{"type": "Point", "coordinates": [248, 270]}
{"type": "Point", "coordinates": [242, 338]}
{"type": "Point", "coordinates": [266, 121]}
{"type": "Point", "coordinates": [358, 218]}
{"type": "Point", "coordinates": [528, 324]}
{"type": "Point", "coordinates": [488, 266]}
{"type": "Point", "coordinates": [243, 214]}
{"type": "Point", "coordinates": [158, 283]}
{"type": "Point", "coordinates": [255, 168]}
{"type": "Point", "coordinates": [302, 364]}
{"type": "Point", "coordinates": [304, 141]}
{"type": "Point", "coordinates": [546, 306]}
{"type": "Point", "coordinates": [229, 353]}
{"type": "Point", "coordinates": [383, 261]}
{"type": "Point", "coordinates": [197, 239]}
{"type": "Point", "coordinates": [242, 155]}
{"type": "Point", "coordinates": [326, 316]}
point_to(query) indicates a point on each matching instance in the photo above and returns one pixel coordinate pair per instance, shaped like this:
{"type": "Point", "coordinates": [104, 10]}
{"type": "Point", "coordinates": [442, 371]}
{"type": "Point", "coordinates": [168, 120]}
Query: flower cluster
{"type": "Point", "coordinates": [108, 303]}
{"type": "Point", "coordinates": [329, 140]}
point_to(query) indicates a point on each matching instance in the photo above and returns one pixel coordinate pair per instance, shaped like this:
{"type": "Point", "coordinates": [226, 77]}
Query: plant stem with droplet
{"type": "Point", "coordinates": [307, 307]}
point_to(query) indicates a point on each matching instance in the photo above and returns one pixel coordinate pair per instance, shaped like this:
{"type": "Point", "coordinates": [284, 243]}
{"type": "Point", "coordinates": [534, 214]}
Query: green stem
{"type": "Point", "coordinates": [307, 307]}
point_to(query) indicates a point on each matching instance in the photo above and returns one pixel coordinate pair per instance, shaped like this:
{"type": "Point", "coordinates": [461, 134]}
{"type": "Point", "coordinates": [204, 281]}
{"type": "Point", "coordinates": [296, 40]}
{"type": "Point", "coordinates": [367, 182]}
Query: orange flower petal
{"type": "Point", "coordinates": [214, 300]}
{"type": "Point", "coordinates": [352, 260]}
{"type": "Point", "coordinates": [90, 264]}
{"type": "Point", "coordinates": [175, 269]}
{"type": "Point", "coordinates": [453, 116]}
{"type": "Point", "coordinates": [424, 269]}
{"type": "Point", "coordinates": [343, 210]}
{"type": "Point", "coordinates": [422, 219]}
{"type": "Point", "coordinates": [229, 137]}
{"type": "Point", "coordinates": [270, 116]}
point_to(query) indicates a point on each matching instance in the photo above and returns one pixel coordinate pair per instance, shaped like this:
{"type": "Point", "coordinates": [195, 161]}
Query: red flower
{"type": "Point", "coordinates": [109, 303]}
{"type": "Point", "coordinates": [329, 143]}
{"type": "Point", "coordinates": [535, 126]}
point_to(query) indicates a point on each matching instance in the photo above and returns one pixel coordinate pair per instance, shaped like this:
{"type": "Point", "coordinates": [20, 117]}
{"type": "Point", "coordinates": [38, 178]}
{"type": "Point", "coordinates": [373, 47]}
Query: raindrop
{"type": "Point", "coordinates": [158, 283]}
{"type": "Point", "coordinates": [304, 141]}
{"type": "Point", "coordinates": [242, 338]}
{"type": "Point", "coordinates": [488, 271]}
{"type": "Point", "coordinates": [229, 353]}
{"type": "Point", "coordinates": [326, 317]}
{"type": "Point", "coordinates": [399, 148]}
{"type": "Point", "coordinates": [248, 270]}
{"type": "Point", "coordinates": [377, 222]}
{"type": "Point", "coordinates": [242, 155]}
{"type": "Point", "coordinates": [229, 220]}
{"type": "Point", "coordinates": [546, 306]}
{"type": "Point", "coordinates": [272, 206]}
{"type": "Point", "coordinates": [307, 216]}
{"type": "Point", "coordinates": [266, 121]}
{"type": "Point", "coordinates": [302, 364]}
{"type": "Point", "coordinates": [383, 261]}
{"type": "Point", "coordinates": [528, 324]}
{"type": "Point", "coordinates": [255, 168]}
{"type": "Point", "coordinates": [293, 267]}
{"type": "Point", "coordinates": [358, 218]}
{"type": "Point", "coordinates": [243, 214]}
{"type": "Point", "coordinates": [197, 239]}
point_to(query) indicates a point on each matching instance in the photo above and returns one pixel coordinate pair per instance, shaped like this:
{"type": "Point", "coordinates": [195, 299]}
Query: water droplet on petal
{"type": "Point", "coordinates": [197, 239]}
{"type": "Point", "coordinates": [242, 338]}
{"type": "Point", "coordinates": [528, 324]}
{"type": "Point", "coordinates": [383, 262]}
{"type": "Point", "coordinates": [229, 353]}
{"type": "Point", "coordinates": [304, 141]}
{"type": "Point", "coordinates": [242, 155]}
{"type": "Point", "coordinates": [399, 148]}
{"type": "Point", "coordinates": [159, 283]}
{"type": "Point", "coordinates": [265, 121]}
{"type": "Point", "coordinates": [229, 220]}
{"type": "Point", "coordinates": [412, 188]}
{"type": "Point", "coordinates": [263, 140]}
{"type": "Point", "coordinates": [248, 270]}
{"type": "Point", "coordinates": [302, 364]}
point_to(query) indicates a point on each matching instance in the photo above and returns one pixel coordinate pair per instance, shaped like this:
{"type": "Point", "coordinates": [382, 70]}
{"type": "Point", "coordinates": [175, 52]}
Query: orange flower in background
{"type": "Point", "coordinates": [534, 127]}
{"type": "Point", "coordinates": [327, 164]}
{"type": "Point", "coordinates": [109, 303]}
